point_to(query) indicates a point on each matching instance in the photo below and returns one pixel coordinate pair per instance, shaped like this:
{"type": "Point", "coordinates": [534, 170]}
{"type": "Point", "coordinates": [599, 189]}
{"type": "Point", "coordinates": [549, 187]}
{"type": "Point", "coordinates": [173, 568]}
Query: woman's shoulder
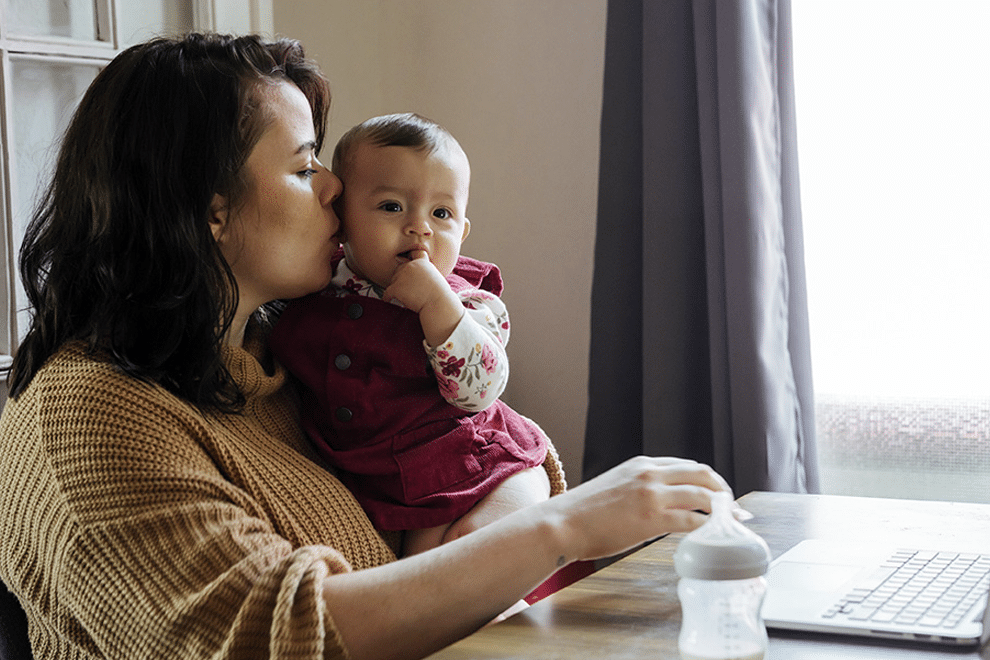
{"type": "Point", "coordinates": [79, 388]}
{"type": "Point", "coordinates": [76, 357]}
{"type": "Point", "coordinates": [76, 370]}
{"type": "Point", "coordinates": [89, 419]}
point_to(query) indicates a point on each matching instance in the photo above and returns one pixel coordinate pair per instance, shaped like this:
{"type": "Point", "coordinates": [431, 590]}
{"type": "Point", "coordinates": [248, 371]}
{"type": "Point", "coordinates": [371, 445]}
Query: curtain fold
{"type": "Point", "coordinates": [700, 341]}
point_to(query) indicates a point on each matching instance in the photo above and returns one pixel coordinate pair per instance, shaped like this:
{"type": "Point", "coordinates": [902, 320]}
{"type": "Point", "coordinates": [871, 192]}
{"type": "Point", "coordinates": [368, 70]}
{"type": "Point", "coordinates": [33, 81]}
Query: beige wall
{"type": "Point", "coordinates": [518, 82]}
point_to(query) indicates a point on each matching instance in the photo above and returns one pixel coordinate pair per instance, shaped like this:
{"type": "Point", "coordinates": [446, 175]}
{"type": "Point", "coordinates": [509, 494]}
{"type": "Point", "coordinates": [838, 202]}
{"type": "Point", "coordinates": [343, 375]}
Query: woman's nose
{"type": "Point", "coordinates": [332, 188]}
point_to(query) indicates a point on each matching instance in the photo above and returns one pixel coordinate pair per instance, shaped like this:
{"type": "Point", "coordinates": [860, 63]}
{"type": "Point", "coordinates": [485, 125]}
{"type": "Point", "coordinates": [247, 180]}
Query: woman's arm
{"type": "Point", "coordinates": [413, 607]}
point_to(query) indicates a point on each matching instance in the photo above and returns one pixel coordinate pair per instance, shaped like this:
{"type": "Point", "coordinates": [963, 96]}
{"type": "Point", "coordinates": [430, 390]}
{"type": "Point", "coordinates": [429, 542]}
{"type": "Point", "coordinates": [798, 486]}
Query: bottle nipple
{"type": "Point", "coordinates": [722, 548]}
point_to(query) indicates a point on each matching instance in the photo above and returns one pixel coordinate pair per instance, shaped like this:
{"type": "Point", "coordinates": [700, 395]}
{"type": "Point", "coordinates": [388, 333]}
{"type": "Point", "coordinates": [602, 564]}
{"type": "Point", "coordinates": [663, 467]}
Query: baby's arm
{"type": "Point", "coordinates": [465, 335]}
{"type": "Point", "coordinates": [471, 366]}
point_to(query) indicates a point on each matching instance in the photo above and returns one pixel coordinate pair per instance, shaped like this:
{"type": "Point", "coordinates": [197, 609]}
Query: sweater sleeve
{"type": "Point", "coordinates": [471, 366]}
{"type": "Point", "coordinates": [163, 556]}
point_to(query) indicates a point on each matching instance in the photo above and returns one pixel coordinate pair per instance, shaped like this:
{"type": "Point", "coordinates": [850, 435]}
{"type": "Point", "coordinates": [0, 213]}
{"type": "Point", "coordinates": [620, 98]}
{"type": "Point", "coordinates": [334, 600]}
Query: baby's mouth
{"type": "Point", "coordinates": [408, 254]}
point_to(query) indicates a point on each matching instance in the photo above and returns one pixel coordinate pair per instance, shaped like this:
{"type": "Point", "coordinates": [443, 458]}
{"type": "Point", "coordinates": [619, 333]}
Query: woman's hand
{"type": "Point", "coordinates": [412, 607]}
{"type": "Point", "coordinates": [634, 502]}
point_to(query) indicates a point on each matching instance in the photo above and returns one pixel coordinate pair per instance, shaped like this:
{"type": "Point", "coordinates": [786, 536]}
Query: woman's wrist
{"type": "Point", "coordinates": [556, 533]}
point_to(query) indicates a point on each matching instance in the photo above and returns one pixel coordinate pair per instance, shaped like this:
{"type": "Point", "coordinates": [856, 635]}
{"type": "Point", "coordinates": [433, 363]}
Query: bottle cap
{"type": "Point", "coordinates": [722, 548]}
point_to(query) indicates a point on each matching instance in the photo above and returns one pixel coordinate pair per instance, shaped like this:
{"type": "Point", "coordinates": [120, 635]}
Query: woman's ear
{"type": "Point", "coordinates": [219, 214]}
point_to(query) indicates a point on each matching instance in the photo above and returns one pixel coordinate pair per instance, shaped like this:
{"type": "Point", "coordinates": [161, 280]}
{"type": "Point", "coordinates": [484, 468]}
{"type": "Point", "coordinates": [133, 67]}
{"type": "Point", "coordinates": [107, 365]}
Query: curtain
{"type": "Point", "coordinates": [700, 338]}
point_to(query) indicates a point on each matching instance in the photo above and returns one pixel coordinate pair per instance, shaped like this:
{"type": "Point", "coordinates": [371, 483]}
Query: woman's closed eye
{"type": "Point", "coordinates": [307, 173]}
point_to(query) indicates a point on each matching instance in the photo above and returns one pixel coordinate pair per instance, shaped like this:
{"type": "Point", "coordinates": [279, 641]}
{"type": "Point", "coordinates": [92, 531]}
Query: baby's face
{"type": "Point", "coordinates": [398, 199]}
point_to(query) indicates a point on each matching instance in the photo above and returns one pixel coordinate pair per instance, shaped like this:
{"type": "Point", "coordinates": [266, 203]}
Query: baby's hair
{"type": "Point", "coordinates": [406, 129]}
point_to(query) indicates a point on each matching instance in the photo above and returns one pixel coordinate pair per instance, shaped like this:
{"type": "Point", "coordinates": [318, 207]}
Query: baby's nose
{"type": "Point", "coordinates": [418, 225]}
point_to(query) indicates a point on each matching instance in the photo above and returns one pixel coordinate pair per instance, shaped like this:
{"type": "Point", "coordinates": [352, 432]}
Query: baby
{"type": "Point", "coordinates": [402, 357]}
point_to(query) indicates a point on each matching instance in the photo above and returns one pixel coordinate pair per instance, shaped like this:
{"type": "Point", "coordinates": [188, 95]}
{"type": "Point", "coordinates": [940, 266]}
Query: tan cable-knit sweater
{"type": "Point", "coordinates": [133, 526]}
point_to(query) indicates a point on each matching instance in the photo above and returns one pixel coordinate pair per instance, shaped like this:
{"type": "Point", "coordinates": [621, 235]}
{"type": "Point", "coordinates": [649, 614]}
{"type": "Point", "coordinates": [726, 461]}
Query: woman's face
{"type": "Point", "coordinates": [279, 241]}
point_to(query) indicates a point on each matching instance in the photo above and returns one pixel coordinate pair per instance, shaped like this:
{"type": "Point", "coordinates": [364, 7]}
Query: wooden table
{"type": "Point", "coordinates": [629, 610]}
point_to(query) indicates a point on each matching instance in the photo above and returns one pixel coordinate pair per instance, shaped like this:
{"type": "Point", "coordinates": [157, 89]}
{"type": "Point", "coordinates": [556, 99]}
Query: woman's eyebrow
{"type": "Point", "coordinates": [306, 146]}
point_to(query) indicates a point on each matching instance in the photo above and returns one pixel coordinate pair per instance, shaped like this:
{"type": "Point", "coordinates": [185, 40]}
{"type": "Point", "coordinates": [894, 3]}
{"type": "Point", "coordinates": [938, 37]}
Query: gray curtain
{"type": "Point", "coordinates": [700, 344]}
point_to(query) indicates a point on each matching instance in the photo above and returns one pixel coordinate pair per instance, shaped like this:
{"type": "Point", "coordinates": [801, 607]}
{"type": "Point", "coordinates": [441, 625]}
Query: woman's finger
{"type": "Point", "coordinates": [680, 520]}
{"type": "Point", "coordinates": [681, 470]}
{"type": "Point", "coordinates": [694, 473]}
{"type": "Point", "coordinates": [685, 497]}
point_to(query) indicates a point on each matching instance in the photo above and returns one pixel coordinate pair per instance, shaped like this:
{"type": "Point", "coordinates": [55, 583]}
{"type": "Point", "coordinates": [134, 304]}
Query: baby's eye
{"type": "Point", "coordinates": [390, 207]}
{"type": "Point", "coordinates": [443, 214]}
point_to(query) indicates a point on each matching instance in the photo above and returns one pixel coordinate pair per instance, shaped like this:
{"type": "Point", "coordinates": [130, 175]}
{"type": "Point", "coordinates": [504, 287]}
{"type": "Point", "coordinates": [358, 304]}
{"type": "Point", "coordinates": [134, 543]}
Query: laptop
{"type": "Point", "coordinates": [880, 591]}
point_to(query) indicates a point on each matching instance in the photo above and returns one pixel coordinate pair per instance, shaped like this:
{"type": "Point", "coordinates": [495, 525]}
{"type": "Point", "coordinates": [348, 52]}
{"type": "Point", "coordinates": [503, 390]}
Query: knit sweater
{"type": "Point", "coordinates": [134, 526]}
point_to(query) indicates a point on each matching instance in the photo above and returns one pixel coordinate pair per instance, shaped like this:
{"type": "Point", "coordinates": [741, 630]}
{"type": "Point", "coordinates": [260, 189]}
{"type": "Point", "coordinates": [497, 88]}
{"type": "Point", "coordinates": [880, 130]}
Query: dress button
{"type": "Point", "coordinates": [343, 414]}
{"type": "Point", "coordinates": [342, 362]}
{"type": "Point", "coordinates": [354, 311]}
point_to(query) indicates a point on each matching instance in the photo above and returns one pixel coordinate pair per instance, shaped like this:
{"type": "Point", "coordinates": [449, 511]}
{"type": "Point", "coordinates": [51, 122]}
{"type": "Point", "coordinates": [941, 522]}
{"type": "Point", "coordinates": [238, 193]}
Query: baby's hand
{"type": "Point", "coordinates": [416, 282]}
{"type": "Point", "coordinates": [420, 287]}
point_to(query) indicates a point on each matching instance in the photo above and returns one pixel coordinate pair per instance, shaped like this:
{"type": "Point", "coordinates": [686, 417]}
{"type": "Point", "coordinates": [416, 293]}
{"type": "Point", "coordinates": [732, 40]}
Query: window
{"type": "Point", "coordinates": [50, 50]}
{"type": "Point", "coordinates": [894, 150]}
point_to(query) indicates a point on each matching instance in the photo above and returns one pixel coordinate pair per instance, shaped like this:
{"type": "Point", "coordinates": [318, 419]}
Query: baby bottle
{"type": "Point", "coordinates": [721, 566]}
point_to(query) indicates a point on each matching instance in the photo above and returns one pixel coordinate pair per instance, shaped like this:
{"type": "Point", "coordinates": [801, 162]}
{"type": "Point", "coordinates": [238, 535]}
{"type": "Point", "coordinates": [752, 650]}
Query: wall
{"type": "Point", "coordinates": [518, 82]}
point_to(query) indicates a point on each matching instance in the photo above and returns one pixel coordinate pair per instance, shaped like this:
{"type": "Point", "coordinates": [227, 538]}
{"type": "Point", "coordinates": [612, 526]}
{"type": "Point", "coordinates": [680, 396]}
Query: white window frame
{"type": "Point", "coordinates": [234, 16]}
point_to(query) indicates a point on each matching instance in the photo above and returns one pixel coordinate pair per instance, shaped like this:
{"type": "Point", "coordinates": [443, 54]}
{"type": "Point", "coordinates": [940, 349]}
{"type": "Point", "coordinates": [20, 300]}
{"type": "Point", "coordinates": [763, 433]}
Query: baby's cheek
{"type": "Point", "coordinates": [445, 260]}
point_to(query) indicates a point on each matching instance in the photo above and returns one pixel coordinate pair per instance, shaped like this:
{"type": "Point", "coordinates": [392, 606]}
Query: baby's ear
{"type": "Point", "coordinates": [219, 215]}
{"type": "Point", "coordinates": [467, 229]}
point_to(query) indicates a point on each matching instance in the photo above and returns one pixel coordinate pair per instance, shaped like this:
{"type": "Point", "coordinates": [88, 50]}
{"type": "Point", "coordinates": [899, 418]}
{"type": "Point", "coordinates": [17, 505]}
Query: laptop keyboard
{"type": "Point", "coordinates": [931, 589]}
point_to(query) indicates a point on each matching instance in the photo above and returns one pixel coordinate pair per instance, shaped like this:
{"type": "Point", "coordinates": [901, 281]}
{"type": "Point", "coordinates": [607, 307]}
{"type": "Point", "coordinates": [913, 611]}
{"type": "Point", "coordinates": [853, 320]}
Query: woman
{"type": "Point", "coordinates": [158, 498]}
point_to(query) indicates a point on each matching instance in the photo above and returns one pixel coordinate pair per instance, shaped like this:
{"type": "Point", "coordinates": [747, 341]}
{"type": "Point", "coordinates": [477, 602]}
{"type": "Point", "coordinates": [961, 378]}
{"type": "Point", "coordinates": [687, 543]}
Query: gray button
{"type": "Point", "coordinates": [355, 311]}
{"type": "Point", "coordinates": [342, 362]}
{"type": "Point", "coordinates": [344, 414]}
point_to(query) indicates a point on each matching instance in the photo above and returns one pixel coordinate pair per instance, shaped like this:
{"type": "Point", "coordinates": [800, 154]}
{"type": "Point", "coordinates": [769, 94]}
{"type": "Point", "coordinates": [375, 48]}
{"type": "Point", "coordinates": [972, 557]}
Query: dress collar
{"type": "Point", "coordinates": [345, 282]}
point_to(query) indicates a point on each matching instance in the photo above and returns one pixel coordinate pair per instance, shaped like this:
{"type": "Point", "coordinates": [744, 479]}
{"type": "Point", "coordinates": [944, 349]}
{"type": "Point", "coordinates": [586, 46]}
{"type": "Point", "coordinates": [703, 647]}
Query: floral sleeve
{"type": "Point", "coordinates": [471, 366]}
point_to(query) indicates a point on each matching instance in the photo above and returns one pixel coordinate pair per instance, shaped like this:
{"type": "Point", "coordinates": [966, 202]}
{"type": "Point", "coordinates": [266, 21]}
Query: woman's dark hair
{"type": "Point", "coordinates": [119, 253]}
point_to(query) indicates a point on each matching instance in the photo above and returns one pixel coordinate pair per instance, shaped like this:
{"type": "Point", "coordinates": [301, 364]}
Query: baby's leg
{"type": "Point", "coordinates": [517, 492]}
{"type": "Point", "coordinates": [415, 541]}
